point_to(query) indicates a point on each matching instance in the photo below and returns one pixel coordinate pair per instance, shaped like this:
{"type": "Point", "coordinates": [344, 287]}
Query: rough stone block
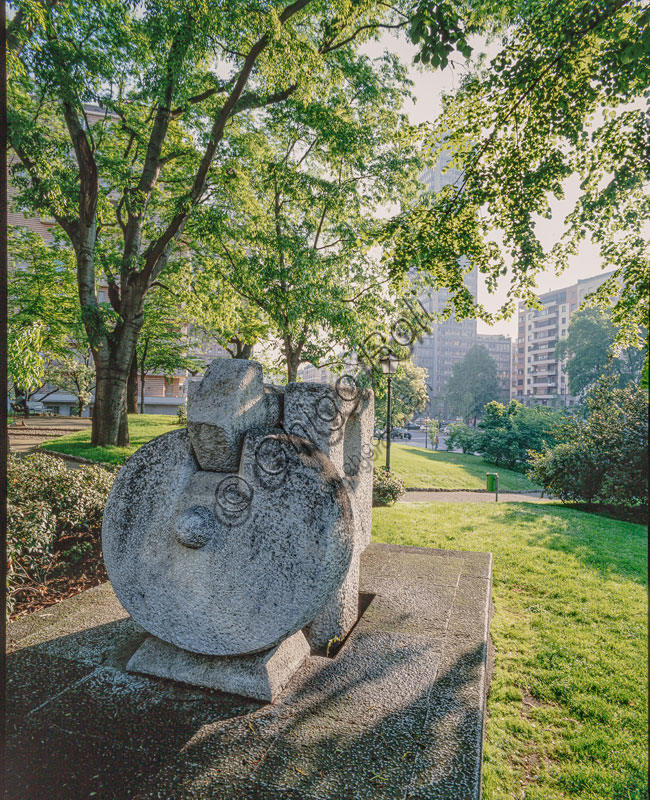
{"type": "Point", "coordinates": [261, 676]}
{"type": "Point", "coordinates": [229, 401]}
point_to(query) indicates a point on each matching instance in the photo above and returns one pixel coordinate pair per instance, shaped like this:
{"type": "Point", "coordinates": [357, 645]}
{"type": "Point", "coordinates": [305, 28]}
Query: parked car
{"type": "Point", "coordinates": [400, 433]}
{"type": "Point", "coordinates": [35, 407]}
{"type": "Point", "coordinates": [412, 426]}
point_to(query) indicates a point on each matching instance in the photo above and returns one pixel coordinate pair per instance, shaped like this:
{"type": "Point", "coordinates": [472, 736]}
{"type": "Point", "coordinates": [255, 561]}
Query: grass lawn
{"type": "Point", "coordinates": [431, 469]}
{"type": "Point", "coordinates": [142, 428]}
{"type": "Point", "coordinates": [567, 707]}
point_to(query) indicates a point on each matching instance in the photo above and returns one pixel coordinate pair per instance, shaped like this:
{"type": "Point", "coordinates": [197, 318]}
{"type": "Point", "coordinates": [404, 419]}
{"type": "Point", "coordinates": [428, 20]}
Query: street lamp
{"type": "Point", "coordinates": [389, 367]}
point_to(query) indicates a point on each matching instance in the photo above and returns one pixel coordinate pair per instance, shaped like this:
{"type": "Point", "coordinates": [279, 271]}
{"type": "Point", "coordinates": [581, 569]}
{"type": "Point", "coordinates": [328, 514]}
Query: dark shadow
{"type": "Point", "coordinates": [361, 725]}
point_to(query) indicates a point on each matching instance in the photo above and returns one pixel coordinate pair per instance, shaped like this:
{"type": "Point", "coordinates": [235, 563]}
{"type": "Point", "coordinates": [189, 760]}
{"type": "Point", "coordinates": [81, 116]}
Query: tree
{"type": "Point", "coordinates": [587, 350]}
{"type": "Point", "coordinates": [461, 435]}
{"type": "Point", "coordinates": [25, 361]}
{"type": "Point", "coordinates": [408, 394]}
{"type": "Point", "coordinates": [511, 433]}
{"type": "Point", "coordinates": [75, 375]}
{"type": "Point", "coordinates": [473, 383]}
{"type": "Point", "coordinates": [315, 175]}
{"type": "Point", "coordinates": [603, 456]}
{"type": "Point", "coordinates": [164, 342]}
{"type": "Point", "coordinates": [171, 78]}
{"type": "Point", "coordinates": [563, 97]}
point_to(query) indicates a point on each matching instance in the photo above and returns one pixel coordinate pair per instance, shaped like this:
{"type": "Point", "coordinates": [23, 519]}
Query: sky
{"type": "Point", "coordinates": [429, 86]}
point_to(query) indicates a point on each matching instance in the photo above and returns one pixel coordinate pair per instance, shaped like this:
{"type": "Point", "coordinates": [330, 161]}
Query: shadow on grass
{"type": "Point", "coordinates": [611, 547]}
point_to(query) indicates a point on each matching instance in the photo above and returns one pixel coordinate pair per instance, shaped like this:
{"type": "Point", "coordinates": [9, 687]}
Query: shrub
{"type": "Point", "coordinates": [386, 487]}
{"type": "Point", "coordinates": [461, 435]}
{"type": "Point", "coordinates": [511, 432]}
{"type": "Point", "coordinates": [604, 457]}
{"type": "Point", "coordinates": [45, 500]}
{"type": "Point", "coordinates": [566, 471]}
{"type": "Point", "coordinates": [181, 415]}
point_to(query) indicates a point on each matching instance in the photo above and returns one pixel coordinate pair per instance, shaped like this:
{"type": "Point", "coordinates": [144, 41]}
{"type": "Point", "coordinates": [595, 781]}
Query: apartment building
{"type": "Point", "coordinates": [500, 349]}
{"type": "Point", "coordinates": [162, 395]}
{"type": "Point", "coordinates": [538, 378]}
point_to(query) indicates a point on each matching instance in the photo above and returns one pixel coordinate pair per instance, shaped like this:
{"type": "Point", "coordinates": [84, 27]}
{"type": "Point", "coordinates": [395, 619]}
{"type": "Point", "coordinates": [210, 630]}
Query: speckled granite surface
{"type": "Point", "coordinates": [397, 713]}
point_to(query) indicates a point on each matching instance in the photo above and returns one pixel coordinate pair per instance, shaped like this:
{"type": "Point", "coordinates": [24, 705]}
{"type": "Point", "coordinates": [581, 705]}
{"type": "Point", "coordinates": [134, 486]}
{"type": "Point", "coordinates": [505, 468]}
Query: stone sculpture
{"type": "Point", "coordinates": [235, 543]}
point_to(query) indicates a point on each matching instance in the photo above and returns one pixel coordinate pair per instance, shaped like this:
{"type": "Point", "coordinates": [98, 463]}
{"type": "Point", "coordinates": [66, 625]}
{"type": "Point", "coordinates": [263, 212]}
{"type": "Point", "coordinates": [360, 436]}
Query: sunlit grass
{"type": "Point", "coordinates": [567, 707]}
{"type": "Point", "coordinates": [142, 428]}
{"type": "Point", "coordinates": [420, 468]}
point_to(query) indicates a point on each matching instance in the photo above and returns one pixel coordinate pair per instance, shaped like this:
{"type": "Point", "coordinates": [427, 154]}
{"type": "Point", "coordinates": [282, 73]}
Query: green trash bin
{"type": "Point", "coordinates": [491, 481]}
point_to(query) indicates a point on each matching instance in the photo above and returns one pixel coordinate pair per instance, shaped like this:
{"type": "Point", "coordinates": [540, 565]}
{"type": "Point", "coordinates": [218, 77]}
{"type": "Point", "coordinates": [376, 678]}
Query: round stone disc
{"type": "Point", "coordinates": [227, 563]}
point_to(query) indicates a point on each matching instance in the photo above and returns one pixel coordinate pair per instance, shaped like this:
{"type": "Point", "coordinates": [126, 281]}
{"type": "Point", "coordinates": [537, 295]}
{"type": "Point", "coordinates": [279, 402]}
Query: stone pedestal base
{"type": "Point", "coordinates": [261, 676]}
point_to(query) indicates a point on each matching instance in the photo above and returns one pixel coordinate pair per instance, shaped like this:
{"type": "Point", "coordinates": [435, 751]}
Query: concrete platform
{"type": "Point", "coordinates": [397, 713]}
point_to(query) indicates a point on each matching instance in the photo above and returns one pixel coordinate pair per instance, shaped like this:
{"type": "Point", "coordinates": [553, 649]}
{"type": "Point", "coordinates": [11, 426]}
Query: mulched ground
{"type": "Point", "coordinates": [77, 565]}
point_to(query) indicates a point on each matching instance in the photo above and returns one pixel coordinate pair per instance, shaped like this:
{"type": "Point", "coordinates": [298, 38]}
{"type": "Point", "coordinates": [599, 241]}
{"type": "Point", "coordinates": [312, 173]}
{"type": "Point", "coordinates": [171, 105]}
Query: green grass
{"type": "Point", "coordinates": [142, 428]}
{"type": "Point", "coordinates": [429, 469]}
{"type": "Point", "coordinates": [567, 707]}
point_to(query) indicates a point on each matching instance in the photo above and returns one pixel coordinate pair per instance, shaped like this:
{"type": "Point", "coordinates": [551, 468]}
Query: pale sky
{"type": "Point", "coordinates": [428, 88]}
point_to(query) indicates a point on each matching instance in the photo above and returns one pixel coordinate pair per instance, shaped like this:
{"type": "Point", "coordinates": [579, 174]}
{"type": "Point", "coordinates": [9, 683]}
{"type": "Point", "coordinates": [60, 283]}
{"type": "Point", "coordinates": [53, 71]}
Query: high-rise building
{"type": "Point", "coordinates": [538, 378]}
{"type": "Point", "coordinates": [500, 349]}
{"type": "Point", "coordinates": [449, 341]}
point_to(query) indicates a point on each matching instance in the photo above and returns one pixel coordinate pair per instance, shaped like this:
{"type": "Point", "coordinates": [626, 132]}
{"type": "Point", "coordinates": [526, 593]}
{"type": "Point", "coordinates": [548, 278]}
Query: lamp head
{"type": "Point", "coordinates": [389, 364]}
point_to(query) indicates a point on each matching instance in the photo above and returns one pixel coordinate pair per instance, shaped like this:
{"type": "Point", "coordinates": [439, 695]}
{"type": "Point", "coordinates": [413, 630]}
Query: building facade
{"type": "Point", "coordinates": [538, 377]}
{"type": "Point", "coordinates": [500, 349]}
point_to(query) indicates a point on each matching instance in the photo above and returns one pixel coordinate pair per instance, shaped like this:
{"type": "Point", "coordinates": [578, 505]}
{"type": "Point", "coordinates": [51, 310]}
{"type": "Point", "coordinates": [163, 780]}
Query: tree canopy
{"type": "Point", "coordinates": [563, 97]}
{"type": "Point", "coordinates": [473, 383]}
{"type": "Point", "coordinates": [309, 180]}
{"type": "Point", "coordinates": [587, 350]}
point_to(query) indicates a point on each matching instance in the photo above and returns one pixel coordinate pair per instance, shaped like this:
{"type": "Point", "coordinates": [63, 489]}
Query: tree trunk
{"type": "Point", "coordinates": [132, 388]}
{"type": "Point", "coordinates": [142, 377]}
{"type": "Point", "coordinates": [110, 423]}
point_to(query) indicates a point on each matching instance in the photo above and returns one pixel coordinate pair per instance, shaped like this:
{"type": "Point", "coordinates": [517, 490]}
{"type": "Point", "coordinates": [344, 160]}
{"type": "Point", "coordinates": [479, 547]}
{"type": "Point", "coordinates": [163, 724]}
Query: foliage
{"type": "Point", "coordinates": [25, 361]}
{"type": "Point", "coordinates": [314, 175]}
{"type": "Point", "coordinates": [563, 97]}
{"type": "Point", "coordinates": [42, 290]}
{"type": "Point", "coordinates": [437, 469]}
{"type": "Point", "coordinates": [512, 432]}
{"type": "Point", "coordinates": [165, 338]}
{"type": "Point", "coordinates": [604, 457]}
{"type": "Point", "coordinates": [46, 499]}
{"type": "Point", "coordinates": [570, 627]}
{"type": "Point", "coordinates": [408, 394]}
{"type": "Point", "coordinates": [174, 83]}
{"type": "Point", "coordinates": [181, 415]}
{"type": "Point", "coordinates": [75, 376]}
{"type": "Point", "coordinates": [461, 435]}
{"type": "Point", "coordinates": [473, 383]}
{"type": "Point", "coordinates": [387, 488]}
{"type": "Point", "coordinates": [587, 350]}
{"type": "Point", "coordinates": [432, 428]}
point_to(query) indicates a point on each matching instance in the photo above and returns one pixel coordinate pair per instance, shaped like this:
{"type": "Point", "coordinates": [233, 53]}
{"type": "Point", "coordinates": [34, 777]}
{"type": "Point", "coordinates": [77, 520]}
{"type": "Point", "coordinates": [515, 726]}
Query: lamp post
{"type": "Point", "coordinates": [389, 367]}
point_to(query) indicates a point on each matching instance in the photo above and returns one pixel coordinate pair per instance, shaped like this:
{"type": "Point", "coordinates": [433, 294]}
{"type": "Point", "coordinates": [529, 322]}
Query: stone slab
{"type": "Point", "coordinates": [398, 713]}
{"type": "Point", "coordinates": [261, 676]}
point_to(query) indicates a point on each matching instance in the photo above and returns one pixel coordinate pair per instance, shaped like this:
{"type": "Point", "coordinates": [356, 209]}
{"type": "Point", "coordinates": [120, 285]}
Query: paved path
{"type": "Point", "coordinates": [472, 497]}
{"type": "Point", "coordinates": [26, 434]}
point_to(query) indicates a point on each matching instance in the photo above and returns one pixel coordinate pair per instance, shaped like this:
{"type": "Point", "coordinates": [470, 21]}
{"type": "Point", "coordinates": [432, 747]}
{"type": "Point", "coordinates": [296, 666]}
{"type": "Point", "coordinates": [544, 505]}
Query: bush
{"type": "Point", "coordinates": [461, 435]}
{"type": "Point", "coordinates": [386, 487]}
{"type": "Point", "coordinates": [46, 500]}
{"type": "Point", "coordinates": [511, 432]}
{"type": "Point", "coordinates": [604, 458]}
{"type": "Point", "coordinates": [181, 415]}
